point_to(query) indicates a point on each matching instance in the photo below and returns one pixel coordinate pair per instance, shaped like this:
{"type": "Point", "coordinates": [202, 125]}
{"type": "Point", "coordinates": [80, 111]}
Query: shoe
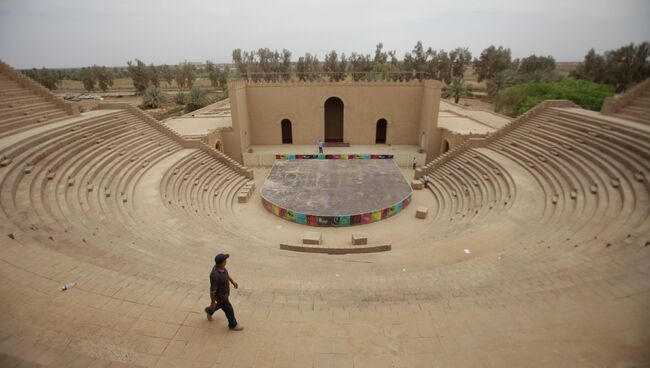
{"type": "Point", "coordinates": [237, 328]}
{"type": "Point", "coordinates": [208, 313]}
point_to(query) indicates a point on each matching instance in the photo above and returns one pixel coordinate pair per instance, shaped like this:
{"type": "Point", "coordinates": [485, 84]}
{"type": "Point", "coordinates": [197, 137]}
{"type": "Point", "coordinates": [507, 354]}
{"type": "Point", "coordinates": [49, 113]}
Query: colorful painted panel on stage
{"type": "Point", "coordinates": [334, 156]}
{"type": "Point", "coordinates": [336, 221]}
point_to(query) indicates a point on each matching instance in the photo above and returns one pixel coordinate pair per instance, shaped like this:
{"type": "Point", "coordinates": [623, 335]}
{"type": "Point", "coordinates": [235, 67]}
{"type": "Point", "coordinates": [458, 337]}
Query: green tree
{"type": "Point", "coordinates": [593, 68]}
{"type": "Point", "coordinates": [333, 68]}
{"type": "Point", "coordinates": [415, 62]}
{"type": "Point", "coordinates": [103, 76]}
{"type": "Point", "coordinates": [387, 71]}
{"type": "Point", "coordinates": [308, 68]}
{"type": "Point", "coordinates": [88, 79]}
{"type": "Point", "coordinates": [456, 89]}
{"type": "Point", "coordinates": [196, 100]}
{"type": "Point", "coordinates": [381, 57]}
{"type": "Point", "coordinates": [438, 66]}
{"type": "Point", "coordinates": [286, 65]}
{"type": "Point", "coordinates": [534, 63]}
{"type": "Point", "coordinates": [460, 59]}
{"type": "Point", "coordinates": [153, 98]}
{"type": "Point", "coordinates": [621, 68]}
{"type": "Point", "coordinates": [179, 76]}
{"type": "Point", "coordinates": [189, 71]}
{"type": "Point", "coordinates": [154, 75]}
{"type": "Point", "coordinates": [492, 61]}
{"type": "Point", "coordinates": [223, 77]}
{"type": "Point", "coordinates": [139, 73]}
{"type": "Point", "coordinates": [301, 69]}
{"type": "Point", "coordinates": [180, 98]}
{"type": "Point", "coordinates": [240, 64]}
{"type": "Point", "coordinates": [499, 82]}
{"type": "Point", "coordinates": [47, 78]}
{"type": "Point", "coordinates": [167, 74]}
{"type": "Point", "coordinates": [360, 66]}
{"type": "Point", "coordinates": [214, 74]}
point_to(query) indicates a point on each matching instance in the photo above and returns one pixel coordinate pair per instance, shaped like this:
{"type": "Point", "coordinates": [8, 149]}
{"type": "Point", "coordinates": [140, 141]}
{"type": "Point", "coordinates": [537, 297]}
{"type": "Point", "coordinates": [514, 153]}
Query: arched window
{"type": "Point", "coordinates": [380, 132]}
{"type": "Point", "coordinates": [287, 135]}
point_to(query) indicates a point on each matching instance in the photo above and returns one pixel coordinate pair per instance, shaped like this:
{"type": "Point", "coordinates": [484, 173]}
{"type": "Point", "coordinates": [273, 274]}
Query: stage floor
{"type": "Point", "coordinates": [336, 188]}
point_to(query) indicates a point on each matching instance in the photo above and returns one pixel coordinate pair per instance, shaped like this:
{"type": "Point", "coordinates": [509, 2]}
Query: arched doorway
{"type": "Point", "coordinates": [218, 146]}
{"type": "Point", "coordinates": [333, 120]}
{"type": "Point", "coordinates": [380, 132]}
{"type": "Point", "coordinates": [287, 136]}
{"type": "Point", "coordinates": [445, 146]}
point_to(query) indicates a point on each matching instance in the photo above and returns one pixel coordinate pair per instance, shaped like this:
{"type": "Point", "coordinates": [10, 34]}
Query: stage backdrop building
{"type": "Point", "coordinates": [354, 113]}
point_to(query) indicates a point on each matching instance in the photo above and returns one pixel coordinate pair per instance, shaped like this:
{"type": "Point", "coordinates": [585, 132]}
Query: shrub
{"type": "Point", "coordinates": [153, 97]}
{"type": "Point", "coordinates": [196, 100]}
{"type": "Point", "coordinates": [520, 98]}
{"type": "Point", "coordinates": [180, 98]}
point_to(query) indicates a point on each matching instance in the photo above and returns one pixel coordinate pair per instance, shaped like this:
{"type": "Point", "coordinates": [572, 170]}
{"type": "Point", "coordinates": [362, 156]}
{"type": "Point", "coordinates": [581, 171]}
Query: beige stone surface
{"type": "Point", "coordinates": [422, 212]}
{"type": "Point", "coordinates": [507, 270]}
{"type": "Point", "coordinates": [410, 109]}
{"type": "Point", "coordinates": [469, 120]}
{"type": "Point", "coordinates": [202, 122]}
{"type": "Point", "coordinates": [359, 238]}
{"type": "Point", "coordinates": [336, 249]}
{"type": "Point", "coordinates": [242, 197]}
{"type": "Point", "coordinates": [312, 237]}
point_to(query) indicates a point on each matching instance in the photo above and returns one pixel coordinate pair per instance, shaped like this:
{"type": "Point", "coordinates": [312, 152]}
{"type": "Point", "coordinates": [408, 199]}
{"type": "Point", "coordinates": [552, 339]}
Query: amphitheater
{"type": "Point", "coordinates": [535, 251]}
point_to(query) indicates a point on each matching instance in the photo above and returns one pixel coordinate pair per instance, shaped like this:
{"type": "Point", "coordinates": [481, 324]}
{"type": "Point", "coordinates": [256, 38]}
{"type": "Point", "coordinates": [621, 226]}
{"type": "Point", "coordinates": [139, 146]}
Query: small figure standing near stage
{"type": "Point", "coordinates": [425, 180]}
{"type": "Point", "coordinates": [220, 291]}
{"type": "Point", "coordinates": [320, 146]}
{"type": "Point", "coordinates": [415, 163]}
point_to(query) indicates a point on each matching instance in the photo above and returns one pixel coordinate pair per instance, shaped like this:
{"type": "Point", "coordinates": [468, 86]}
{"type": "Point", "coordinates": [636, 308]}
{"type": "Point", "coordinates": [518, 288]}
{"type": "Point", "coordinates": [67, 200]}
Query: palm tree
{"type": "Point", "coordinates": [456, 89]}
{"type": "Point", "coordinates": [499, 82]}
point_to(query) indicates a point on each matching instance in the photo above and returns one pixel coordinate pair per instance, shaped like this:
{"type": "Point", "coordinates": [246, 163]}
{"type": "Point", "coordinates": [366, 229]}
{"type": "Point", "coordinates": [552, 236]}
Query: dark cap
{"type": "Point", "coordinates": [219, 258]}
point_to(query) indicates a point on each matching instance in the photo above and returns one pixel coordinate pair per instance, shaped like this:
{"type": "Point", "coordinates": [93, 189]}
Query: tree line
{"type": "Point", "coordinates": [620, 68]}
{"type": "Point", "coordinates": [272, 65]}
{"type": "Point", "coordinates": [102, 77]}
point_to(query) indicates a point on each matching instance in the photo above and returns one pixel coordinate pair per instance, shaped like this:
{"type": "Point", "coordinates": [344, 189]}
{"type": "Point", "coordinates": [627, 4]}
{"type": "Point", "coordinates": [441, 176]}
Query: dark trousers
{"type": "Point", "coordinates": [226, 307]}
{"type": "Point", "coordinates": [320, 149]}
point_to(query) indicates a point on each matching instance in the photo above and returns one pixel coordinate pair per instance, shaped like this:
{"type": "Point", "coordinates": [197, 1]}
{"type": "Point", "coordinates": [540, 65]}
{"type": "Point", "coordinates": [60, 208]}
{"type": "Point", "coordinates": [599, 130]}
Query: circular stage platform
{"type": "Point", "coordinates": [335, 192]}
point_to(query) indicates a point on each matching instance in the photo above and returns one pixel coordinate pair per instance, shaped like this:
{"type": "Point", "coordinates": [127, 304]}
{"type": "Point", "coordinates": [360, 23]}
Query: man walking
{"type": "Point", "coordinates": [320, 146]}
{"type": "Point", "coordinates": [415, 162]}
{"type": "Point", "coordinates": [220, 290]}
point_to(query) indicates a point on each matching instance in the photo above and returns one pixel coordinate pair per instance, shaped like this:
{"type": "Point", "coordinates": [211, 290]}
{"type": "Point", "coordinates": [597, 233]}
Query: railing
{"type": "Point", "coordinates": [318, 83]}
{"type": "Point", "coordinates": [612, 105]}
{"type": "Point", "coordinates": [69, 107]}
{"type": "Point", "coordinates": [483, 142]}
{"type": "Point", "coordinates": [186, 143]}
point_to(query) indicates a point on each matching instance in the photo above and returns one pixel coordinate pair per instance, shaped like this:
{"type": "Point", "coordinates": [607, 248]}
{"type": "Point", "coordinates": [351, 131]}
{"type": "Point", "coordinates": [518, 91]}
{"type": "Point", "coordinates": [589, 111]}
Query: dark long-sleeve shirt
{"type": "Point", "coordinates": [219, 283]}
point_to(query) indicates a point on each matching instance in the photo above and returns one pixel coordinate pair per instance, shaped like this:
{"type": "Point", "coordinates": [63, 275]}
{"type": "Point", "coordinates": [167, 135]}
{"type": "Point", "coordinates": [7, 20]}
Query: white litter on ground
{"type": "Point", "coordinates": [67, 286]}
{"type": "Point", "coordinates": [467, 251]}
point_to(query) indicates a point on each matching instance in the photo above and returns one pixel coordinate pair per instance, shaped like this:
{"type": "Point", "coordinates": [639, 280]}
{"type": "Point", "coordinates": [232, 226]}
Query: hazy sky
{"type": "Point", "coordinates": [68, 33]}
